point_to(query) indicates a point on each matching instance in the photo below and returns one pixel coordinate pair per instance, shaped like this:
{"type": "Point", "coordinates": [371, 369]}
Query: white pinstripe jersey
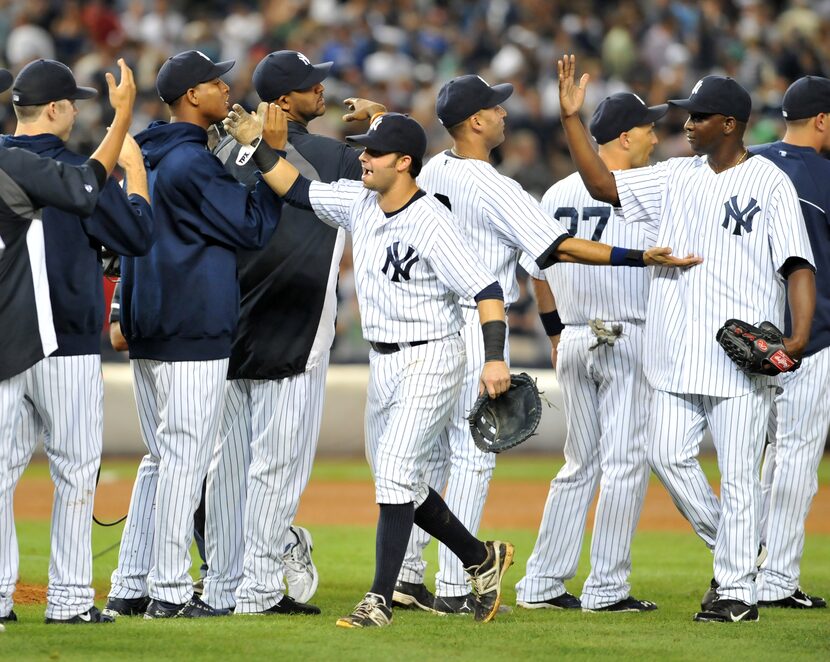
{"type": "Point", "coordinates": [498, 215]}
{"type": "Point", "coordinates": [410, 269]}
{"type": "Point", "coordinates": [586, 292]}
{"type": "Point", "coordinates": [745, 222]}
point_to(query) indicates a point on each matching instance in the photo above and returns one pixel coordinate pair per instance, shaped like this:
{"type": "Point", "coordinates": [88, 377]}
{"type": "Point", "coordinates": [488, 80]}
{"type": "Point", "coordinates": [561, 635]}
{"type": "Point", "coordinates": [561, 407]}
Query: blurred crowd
{"type": "Point", "coordinates": [400, 52]}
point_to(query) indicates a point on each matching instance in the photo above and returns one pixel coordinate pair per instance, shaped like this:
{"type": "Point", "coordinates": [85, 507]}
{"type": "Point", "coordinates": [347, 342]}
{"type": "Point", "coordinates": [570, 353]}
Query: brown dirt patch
{"type": "Point", "coordinates": [29, 594]}
{"type": "Point", "coordinates": [511, 504]}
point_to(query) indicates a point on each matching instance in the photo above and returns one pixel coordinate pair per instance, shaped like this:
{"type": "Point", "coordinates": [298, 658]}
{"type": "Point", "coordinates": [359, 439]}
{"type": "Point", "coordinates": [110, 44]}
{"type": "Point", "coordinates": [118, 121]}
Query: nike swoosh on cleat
{"type": "Point", "coordinates": [806, 602]}
{"type": "Point", "coordinates": [739, 617]}
{"type": "Point", "coordinates": [85, 617]}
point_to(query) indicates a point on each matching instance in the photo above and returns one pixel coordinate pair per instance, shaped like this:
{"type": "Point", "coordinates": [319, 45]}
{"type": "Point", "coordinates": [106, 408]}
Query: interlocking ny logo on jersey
{"type": "Point", "coordinates": [399, 266]}
{"type": "Point", "coordinates": [742, 217]}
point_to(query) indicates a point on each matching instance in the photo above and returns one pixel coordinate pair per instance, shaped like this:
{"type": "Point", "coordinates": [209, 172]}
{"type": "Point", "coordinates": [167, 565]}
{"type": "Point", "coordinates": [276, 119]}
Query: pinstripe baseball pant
{"type": "Point", "coordinates": [64, 400]}
{"type": "Point", "coordinates": [789, 479]}
{"type": "Point", "coordinates": [738, 427]}
{"type": "Point", "coordinates": [606, 401]}
{"type": "Point", "coordinates": [410, 399]}
{"type": "Point", "coordinates": [179, 406]}
{"type": "Point", "coordinates": [11, 394]}
{"type": "Point", "coordinates": [268, 435]}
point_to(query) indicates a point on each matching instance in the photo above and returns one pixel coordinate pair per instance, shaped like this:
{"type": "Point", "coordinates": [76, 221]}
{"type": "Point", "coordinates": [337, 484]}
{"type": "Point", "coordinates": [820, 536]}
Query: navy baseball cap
{"type": "Point", "coordinates": [466, 95]}
{"type": "Point", "coordinates": [6, 79]}
{"type": "Point", "coordinates": [186, 70]}
{"type": "Point", "coordinates": [622, 112]}
{"type": "Point", "coordinates": [394, 132]}
{"type": "Point", "coordinates": [806, 97]}
{"type": "Point", "coordinates": [719, 95]}
{"type": "Point", "coordinates": [282, 72]}
{"type": "Point", "coordinates": [43, 81]}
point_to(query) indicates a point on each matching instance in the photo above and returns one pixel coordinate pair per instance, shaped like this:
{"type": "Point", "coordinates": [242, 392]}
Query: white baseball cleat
{"type": "Point", "coordinates": [300, 574]}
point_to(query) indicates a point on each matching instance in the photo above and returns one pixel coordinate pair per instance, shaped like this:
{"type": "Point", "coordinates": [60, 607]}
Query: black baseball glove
{"type": "Point", "coordinates": [506, 421]}
{"type": "Point", "coordinates": [757, 350]}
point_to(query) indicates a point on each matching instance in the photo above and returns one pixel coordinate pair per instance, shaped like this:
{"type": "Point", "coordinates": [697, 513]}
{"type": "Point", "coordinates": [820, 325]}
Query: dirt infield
{"type": "Point", "coordinates": [512, 504]}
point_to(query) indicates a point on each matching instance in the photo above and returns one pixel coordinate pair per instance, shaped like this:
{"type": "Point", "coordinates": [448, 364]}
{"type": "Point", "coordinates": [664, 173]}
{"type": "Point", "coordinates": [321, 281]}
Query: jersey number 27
{"type": "Point", "coordinates": [600, 213]}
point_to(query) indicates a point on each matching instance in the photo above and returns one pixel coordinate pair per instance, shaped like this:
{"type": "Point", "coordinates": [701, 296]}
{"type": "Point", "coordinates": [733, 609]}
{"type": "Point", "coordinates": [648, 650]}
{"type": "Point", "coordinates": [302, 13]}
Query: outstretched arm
{"type": "Point", "coordinates": [122, 97]}
{"type": "Point", "coordinates": [583, 251]}
{"type": "Point", "coordinates": [361, 109]}
{"type": "Point", "coordinates": [266, 131]}
{"type": "Point", "coordinates": [597, 177]}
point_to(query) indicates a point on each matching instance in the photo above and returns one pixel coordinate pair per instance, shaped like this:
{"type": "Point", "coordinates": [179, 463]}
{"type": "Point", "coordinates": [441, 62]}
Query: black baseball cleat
{"type": "Point", "coordinates": [710, 596]}
{"type": "Point", "coordinates": [197, 608]}
{"type": "Point", "coordinates": [408, 595]}
{"type": "Point", "coordinates": [728, 611]}
{"type": "Point", "coordinates": [454, 604]}
{"type": "Point", "coordinates": [91, 615]}
{"type": "Point", "coordinates": [798, 600]}
{"type": "Point", "coordinates": [629, 605]}
{"type": "Point", "coordinates": [564, 601]}
{"type": "Point", "coordinates": [9, 618]}
{"type": "Point", "coordinates": [161, 609]}
{"type": "Point", "coordinates": [485, 579]}
{"type": "Point", "coordinates": [124, 607]}
{"type": "Point", "coordinates": [291, 607]}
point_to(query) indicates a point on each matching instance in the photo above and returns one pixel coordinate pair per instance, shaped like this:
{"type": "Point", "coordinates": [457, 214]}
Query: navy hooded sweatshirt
{"type": "Point", "coordinates": [122, 223]}
{"type": "Point", "coordinates": [180, 302]}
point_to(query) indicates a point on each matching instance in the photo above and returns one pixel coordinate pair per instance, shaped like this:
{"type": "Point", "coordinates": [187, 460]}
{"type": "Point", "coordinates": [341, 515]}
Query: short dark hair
{"type": "Point", "coordinates": [28, 113]}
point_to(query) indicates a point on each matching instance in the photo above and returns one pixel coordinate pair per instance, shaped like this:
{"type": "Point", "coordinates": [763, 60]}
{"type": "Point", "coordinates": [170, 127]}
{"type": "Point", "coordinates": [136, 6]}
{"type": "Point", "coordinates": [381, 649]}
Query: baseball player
{"type": "Point", "coordinates": [72, 416]}
{"type": "Point", "coordinates": [742, 215]}
{"type": "Point", "coordinates": [501, 220]}
{"type": "Point", "coordinates": [412, 265]}
{"type": "Point", "coordinates": [29, 182]}
{"type": "Point", "coordinates": [179, 310]}
{"type": "Point", "coordinates": [276, 379]}
{"type": "Point", "coordinates": [600, 315]}
{"type": "Point", "coordinates": [801, 413]}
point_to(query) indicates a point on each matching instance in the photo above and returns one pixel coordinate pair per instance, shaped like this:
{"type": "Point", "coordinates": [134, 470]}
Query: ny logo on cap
{"type": "Point", "coordinates": [205, 56]}
{"type": "Point", "coordinates": [304, 58]}
{"type": "Point", "coordinates": [696, 87]}
{"type": "Point", "coordinates": [638, 98]}
{"type": "Point", "coordinates": [483, 81]}
{"type": "Point", "coordinates": [400, 266]}
{"type": "Point", "coordinates": [743, 217]}
{"type": "Point", "coordinates": [374, 125]}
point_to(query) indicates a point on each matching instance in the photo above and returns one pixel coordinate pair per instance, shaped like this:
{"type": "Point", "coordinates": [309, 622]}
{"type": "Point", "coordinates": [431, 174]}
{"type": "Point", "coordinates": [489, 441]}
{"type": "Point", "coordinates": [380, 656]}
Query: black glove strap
{"type": "Point", "coordinates": [494, 334]}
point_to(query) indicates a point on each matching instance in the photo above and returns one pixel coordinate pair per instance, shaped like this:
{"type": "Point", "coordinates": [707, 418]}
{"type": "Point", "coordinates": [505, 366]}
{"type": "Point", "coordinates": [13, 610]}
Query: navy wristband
{"type": "Point", "coordinates": [265, 157]}
{"type": "Point", "coordinates": [552, 323]}
{"type": "Point", "coordinates": [626, 257]}
{"type": "Point", "coordinates": [494, 333]}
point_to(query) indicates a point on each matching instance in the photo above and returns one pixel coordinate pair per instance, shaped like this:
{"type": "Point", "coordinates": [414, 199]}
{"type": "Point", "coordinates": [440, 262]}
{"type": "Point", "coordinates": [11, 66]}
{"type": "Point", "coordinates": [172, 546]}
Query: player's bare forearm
{"type": "Point", "coordinates": [495, 375]}
{"type": "Point", "coordinates": [582, 251]}
{"type": "Point", "coordinates": [598, 178]}
{"type": "Point", "coordinates": [131, 160]}
{"type": "Point", "coordinates": [545, 301]}
{"type": "Point", "coordinates": [281, 177]}
{"type": "Point", "coordinates": [117, 339]}
{"type": "Point", "coordinates": [122, 97]}
{"type": "Point", "coordinates": [801, 293]}
{"type": "Point", "coordinates": [361, 109]}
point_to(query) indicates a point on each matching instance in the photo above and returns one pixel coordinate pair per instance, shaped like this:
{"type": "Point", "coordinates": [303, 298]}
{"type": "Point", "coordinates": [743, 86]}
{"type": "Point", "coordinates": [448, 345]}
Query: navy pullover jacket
{"type": "Point", "coordinates": [181, 301]}
{"type": "Point", "coordinates": [810, 174]}
{"type": "Point", "coordinates": [73, 244]}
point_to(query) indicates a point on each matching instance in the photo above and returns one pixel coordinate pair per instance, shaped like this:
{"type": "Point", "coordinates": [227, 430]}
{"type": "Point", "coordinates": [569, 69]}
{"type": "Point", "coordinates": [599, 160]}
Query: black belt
{"type": "Point", "coordinates": [392, 347]}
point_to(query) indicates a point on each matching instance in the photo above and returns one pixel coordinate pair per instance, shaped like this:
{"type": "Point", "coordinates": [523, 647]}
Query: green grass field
{"type": "Point", "coordinates": [673, 569]}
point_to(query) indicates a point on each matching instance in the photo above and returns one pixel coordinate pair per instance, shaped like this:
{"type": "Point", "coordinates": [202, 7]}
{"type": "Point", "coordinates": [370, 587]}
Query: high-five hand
{"type": "Point", "coordinates": [571, 95]}
{"type": "Point", "coordinates": [661, 257]}
{"type": "Point", "coordinates": [242, 125]}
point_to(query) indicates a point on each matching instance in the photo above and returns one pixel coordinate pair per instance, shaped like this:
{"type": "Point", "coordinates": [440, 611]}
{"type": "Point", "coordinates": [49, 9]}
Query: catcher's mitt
{"type": "Point", "coordinates": [757, 350]}
{"type": "Point", "coordinates": [506, 421]}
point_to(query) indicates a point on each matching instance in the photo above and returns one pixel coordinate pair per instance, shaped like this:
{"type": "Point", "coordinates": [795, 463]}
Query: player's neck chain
{"type": "Point", "coordinates": [452, 149]}
{"type": "Point", "coordinates": [738, 162]}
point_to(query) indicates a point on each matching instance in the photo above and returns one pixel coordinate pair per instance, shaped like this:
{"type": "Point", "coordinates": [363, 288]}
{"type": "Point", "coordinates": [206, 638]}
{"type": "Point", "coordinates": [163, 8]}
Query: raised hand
{"type": "Point", "coordinates": [361, 109]}
{"type": "Point", "coordinates": [571, 95]}
{"type": "Point", "coordinates": [122, 95]}
{"type": "Point", "coordinates": [130, 157]}
{"type": "Point", "coordinates": [242, 125]}
{"type": "Point", "coordinates": [274, 125]}
{"type": "Point", "coordinates": [661, 256]}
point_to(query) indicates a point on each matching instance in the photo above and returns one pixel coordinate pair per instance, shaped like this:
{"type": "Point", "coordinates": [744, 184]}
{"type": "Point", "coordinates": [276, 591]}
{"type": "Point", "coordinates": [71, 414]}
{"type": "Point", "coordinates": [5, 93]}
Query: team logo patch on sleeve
{"type": "Point", "coordinates": [399, 262]}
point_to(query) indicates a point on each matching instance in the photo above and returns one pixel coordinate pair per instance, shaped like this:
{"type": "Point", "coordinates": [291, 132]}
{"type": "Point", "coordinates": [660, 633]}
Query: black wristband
{"type": "Point", "coordinates": [265, 157]}
{"type": "Point", "coordinates": [494, 333]}
{"type": "Point", "coordinates": [627, 257]}
{"type": "Point", "coordinates": [552, 323]}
